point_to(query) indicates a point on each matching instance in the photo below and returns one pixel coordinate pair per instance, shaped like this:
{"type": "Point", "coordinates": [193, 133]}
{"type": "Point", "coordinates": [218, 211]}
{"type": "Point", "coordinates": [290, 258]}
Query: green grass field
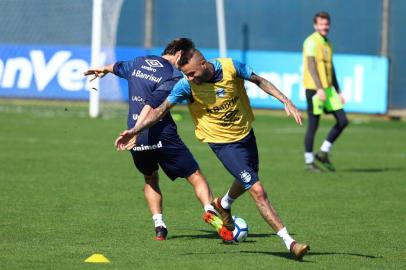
{"type": "Point", "coordinates": [66, 193]}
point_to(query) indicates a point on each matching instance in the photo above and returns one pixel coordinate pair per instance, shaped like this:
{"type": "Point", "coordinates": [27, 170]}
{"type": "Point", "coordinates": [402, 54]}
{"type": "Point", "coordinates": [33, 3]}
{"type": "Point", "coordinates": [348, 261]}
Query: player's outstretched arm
{"type": "Point", "coordinates": [147, 118]}
{"type": "Point", "coordinates": [99, 72]}
{"type": "Point", "coordinates": [272, 90]}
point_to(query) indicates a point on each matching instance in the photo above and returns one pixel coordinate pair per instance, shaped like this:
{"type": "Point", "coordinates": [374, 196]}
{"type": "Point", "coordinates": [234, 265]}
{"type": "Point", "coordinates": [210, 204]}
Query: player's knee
{"type": "Point", "coordinates": [258, 192]}
{"type": "Point", "coordinates": [196, 178]}
{"type": "Point", "coordinates": [152, 179]}
{"type": "Point", "coordinates": [343, 123]}
{"type": "Point", "coordinates": [196, 175]}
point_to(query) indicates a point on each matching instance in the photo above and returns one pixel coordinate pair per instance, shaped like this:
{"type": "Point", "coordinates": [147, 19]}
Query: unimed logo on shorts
{"type": "Point", "coordinates": [147, 147]}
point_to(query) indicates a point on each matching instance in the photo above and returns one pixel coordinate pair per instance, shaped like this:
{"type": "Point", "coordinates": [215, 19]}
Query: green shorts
{"type": "Point", "coordinates": [316, 106]}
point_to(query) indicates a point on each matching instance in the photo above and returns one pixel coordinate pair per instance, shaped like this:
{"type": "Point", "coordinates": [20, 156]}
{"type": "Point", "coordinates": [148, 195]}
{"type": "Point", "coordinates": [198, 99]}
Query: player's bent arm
{"type": "Point", "coordinates": [335, 81]}
{"type": "Point", "coordinates": [147, 118]}
{"type": "Point", "coordinates": [311, 65]}
{"type": "Point", "coordinates": [150, 116]}
{"type": "Point", "coordinates": [271, 89]}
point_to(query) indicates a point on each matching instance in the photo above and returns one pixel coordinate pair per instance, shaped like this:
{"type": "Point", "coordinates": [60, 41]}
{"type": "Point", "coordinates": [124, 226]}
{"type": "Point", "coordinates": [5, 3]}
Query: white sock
{"type": "Point", "coordinates": [158, 220]}
{"type": "Point", "coordinates": [309, 157]}
{"type": "Point", "coordinates": [226, 201]}
{"type": "Point", "coordinates": [326, 146]}
{"type": "Point", "coordinates": [208, 207]}
{"type": "Point", "coordinates": [285, 236]}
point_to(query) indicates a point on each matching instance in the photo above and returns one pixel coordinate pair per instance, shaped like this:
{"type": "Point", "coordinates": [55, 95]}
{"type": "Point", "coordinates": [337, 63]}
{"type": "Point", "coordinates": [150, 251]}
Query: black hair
{"type": "Point", "coordinates": [179, 44]}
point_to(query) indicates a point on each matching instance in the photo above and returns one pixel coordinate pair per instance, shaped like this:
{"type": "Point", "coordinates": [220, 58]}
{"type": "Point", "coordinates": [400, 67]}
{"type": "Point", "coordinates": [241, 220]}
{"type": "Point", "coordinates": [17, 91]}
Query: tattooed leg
{"type": "Point", "coordinates": [265, 208]}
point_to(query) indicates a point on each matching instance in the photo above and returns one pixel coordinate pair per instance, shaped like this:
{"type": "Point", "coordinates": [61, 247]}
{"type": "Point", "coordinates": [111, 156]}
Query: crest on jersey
{"type": "Point", "coordinates": [220, 92]}
{"type": "Point", "coordinates": [153, 63]}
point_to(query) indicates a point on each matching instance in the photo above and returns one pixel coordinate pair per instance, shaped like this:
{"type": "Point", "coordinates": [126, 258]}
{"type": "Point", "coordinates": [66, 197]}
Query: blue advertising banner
{"type": "Point", "coordinates": [56, 72]}
{"type": "Point", "coordinates": [362, 79]}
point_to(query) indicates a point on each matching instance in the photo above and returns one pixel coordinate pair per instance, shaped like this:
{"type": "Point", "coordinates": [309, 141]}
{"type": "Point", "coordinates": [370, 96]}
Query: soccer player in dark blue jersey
{"type": "Point", "coordinates": [223, 117]}
{"type": "Point", "coordinates": [150, 80]}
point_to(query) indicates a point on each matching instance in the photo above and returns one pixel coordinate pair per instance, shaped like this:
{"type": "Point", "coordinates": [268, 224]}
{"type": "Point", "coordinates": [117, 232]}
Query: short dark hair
{"type": "Point", "coordinates": [321, 14]}
{"type": "Point", "coordinates": [179, 44]}
{"type": "Point", "coordinates": [186, 56]}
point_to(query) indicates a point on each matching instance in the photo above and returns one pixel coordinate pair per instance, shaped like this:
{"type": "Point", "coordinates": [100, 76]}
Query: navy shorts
{"type": "Point", "coordinates": [173, 156]}
{"type": "Point", "coordinates": [240, 159]}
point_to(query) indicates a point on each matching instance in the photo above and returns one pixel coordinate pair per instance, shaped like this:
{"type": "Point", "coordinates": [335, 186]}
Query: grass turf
{"type": "Point", "coordinates": [65, 193]}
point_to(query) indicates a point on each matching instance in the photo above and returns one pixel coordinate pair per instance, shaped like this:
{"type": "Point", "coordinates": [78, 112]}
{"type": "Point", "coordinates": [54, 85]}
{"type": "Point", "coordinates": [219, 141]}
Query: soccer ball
{"type": "Point", "coordinates": [240, 232]}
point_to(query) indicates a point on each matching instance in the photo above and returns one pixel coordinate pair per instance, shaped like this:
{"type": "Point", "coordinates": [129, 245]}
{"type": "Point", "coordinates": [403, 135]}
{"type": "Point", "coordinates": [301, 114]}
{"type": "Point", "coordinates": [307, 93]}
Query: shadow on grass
{"type": "Point", "coordinates": [372, 170]}
{"type": "Point", "coordinates": [207, 234]}
{"type": "Point", "coordinates": [287, 255]}
{"type": "Point", "coordinates": [344, 254]}
{"type": "Point", "coordinates": [212, 235]}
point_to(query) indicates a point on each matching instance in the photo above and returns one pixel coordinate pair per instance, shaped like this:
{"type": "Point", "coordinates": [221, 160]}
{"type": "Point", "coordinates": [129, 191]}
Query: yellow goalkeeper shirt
{"type": "Point", "coordinates": [321, 49]}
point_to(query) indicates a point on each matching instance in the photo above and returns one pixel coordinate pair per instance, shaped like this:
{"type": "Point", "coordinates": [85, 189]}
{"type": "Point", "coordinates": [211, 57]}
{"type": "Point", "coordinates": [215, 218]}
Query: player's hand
{"type": "Point", "coordinates": [291, 109]}
{"type": "Point", "coordinates": [96, 72]}
{"type": "Point", "coordinates": [126, 141]}
{"type": "Point", "coordinates": [321, 94]}
{"type": "Point", "coordinates": [342, 98]}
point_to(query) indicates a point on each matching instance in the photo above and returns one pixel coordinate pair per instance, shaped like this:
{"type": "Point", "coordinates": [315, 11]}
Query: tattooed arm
{"type": "Point", "coordinates": [147, 118]}
{"type": "Point", "coordinates": [272, 90]}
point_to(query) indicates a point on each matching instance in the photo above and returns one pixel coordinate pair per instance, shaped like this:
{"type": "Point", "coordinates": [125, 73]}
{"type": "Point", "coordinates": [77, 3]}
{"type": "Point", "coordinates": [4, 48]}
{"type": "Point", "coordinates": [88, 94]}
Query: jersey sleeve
{"type": "Point", "coordinates": [309, 47]}
{"type": "Point", "coordinates": [161, 93]}
{"type": "Point", "coordinates": [123, 69]}
{"type": "Point", "coordinates": [243, 70]}
{"type": "Point", "coordinates": [180, 92]}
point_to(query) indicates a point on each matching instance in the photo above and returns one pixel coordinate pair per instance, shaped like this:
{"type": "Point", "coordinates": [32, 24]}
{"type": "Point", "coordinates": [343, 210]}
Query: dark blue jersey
{"type": "Point", "coordinates": [150, 80]}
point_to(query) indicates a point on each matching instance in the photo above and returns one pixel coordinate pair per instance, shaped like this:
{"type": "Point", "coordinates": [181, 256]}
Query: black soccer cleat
{"type": "Point", "coordinates": [322, 157]}
{"type": "Point", "coordinates": [160, 233]}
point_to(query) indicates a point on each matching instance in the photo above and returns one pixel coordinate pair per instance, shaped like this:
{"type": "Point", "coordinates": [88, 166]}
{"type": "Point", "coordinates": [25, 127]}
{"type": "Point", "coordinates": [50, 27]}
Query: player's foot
{"type": "Point", "coordinates": [225, 214]}
{"type": "Point", "coordinates": [160, 233]}
{"type": "Point", "coordinates": [322, 157]}
{"type": "Point", "coordinates": [312, 167]}
{"type": "Point", "coordinates": [217, 223]}
{"type": "Point", "coordinates": [299, 250]}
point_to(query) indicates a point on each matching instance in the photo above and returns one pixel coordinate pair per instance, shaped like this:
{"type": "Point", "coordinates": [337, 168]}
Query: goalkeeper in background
{"type": "Point", "coordinates": [322, 92]}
